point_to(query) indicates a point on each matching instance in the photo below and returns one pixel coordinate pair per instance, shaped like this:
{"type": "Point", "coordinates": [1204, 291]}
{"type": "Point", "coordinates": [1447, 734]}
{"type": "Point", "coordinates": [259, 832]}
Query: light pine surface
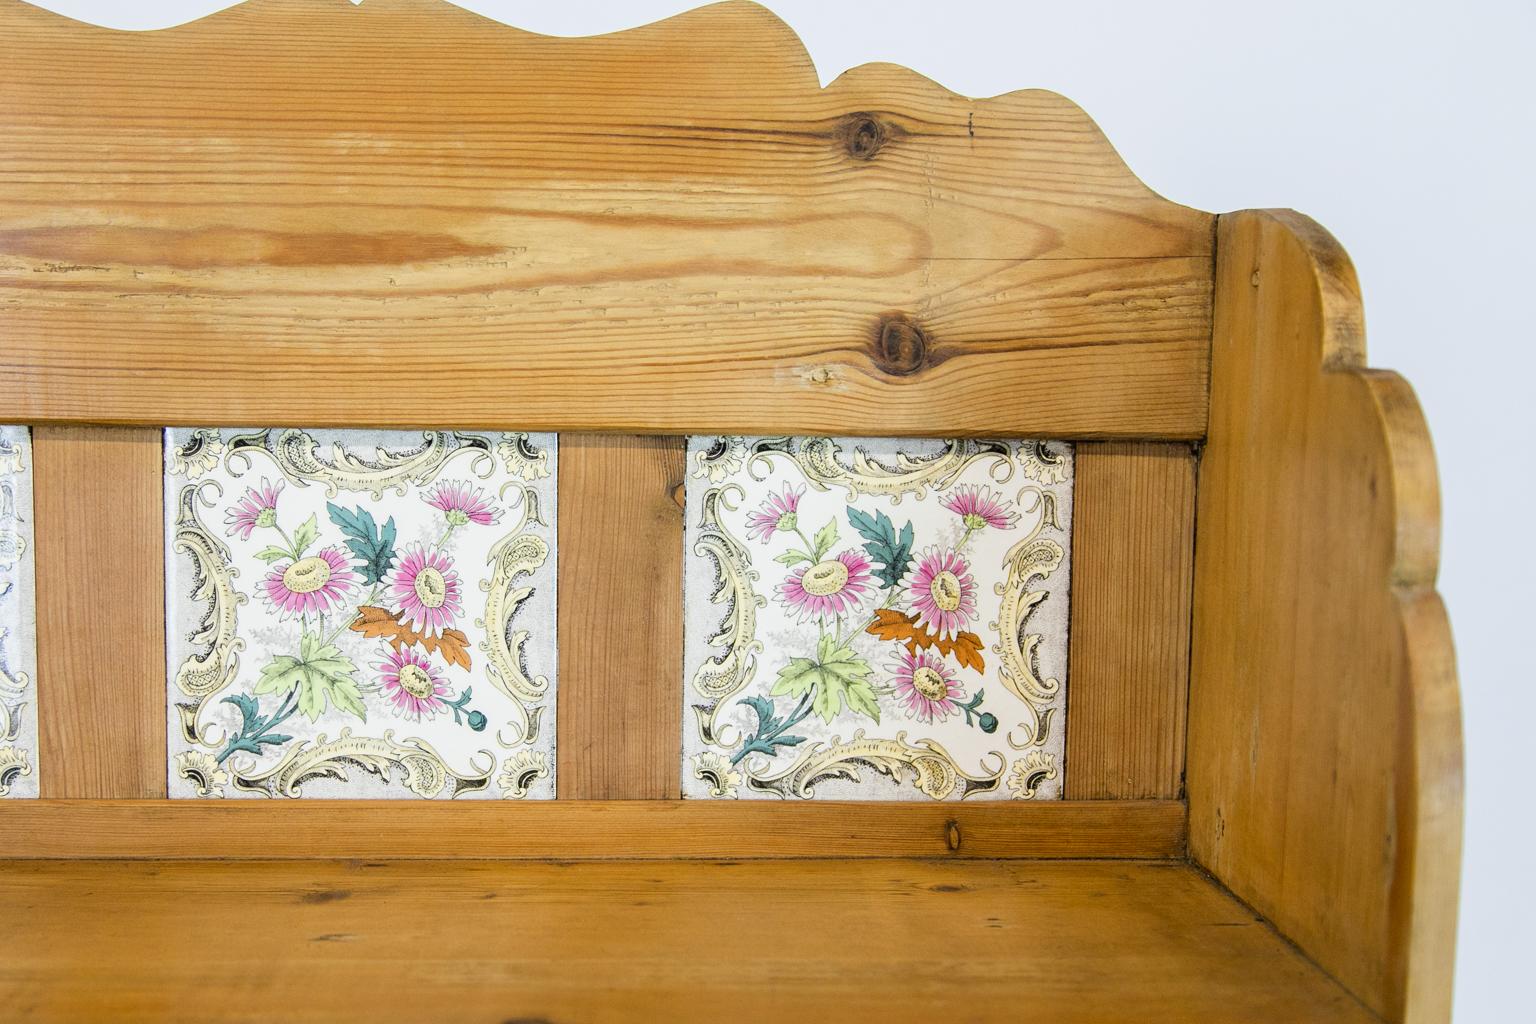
{"type": "Point", "coordinates": [305, 211]}
{"type": "Point", "coordinates": [621, 617]}
{"type": "Point", "coordinates": [1324, 726]}
{"type": "Point", "coordinates": [1128, 672]}
{"type": "Point", "coordinates": [403, 215]}
{"type": "Point", "coordinates": [894, 941]}
{"type": "Point", "coordinates": [100, 612]}
{"type": "Point", "coordinates": [587, 830]}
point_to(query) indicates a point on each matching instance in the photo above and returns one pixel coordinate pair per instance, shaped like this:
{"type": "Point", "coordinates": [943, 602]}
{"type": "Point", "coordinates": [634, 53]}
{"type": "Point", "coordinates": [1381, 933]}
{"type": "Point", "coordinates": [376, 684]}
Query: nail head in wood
{"type": "Point", "coordinates": [952, 834]}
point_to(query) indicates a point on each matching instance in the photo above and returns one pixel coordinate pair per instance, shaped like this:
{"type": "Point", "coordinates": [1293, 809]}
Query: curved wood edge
{"type": "Point", "coordinates": [1325, 776]}
{"type": "Point", "coordinates": [776, 48]}
{"type": "Point", "coordinates": [668, 229]}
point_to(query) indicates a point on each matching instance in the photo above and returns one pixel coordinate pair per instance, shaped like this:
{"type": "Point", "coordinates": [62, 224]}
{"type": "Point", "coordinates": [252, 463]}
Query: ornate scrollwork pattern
{"type": "Point", "coordinates": [371, 596]}
{"type": "Point", "coordinates": [296, 455]}
{"type": "Point", "coordinates": [14, 764]}
{"type": "Point", "coordinates": [821, 461]}
{"type": "Point", "coordinates": [421, 768]}
{"type": "Point", "coordinates": [215, 660]}
{"type": "Point", "coordinates": [933, 771]}
{"type": "Point", "coordinates": [725, 674]}
{"type": "Point", "coordinates": [914, 587]}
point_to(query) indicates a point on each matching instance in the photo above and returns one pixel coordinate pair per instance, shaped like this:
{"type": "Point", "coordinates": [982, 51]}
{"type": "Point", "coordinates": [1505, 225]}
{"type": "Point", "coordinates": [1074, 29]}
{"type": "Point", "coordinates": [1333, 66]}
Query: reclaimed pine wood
{"type": "Point", "coordinates": [100, 612]}
{"type": "Point", "coordinates": [1071, 943]}
{"type": "Point", "coordinates": [667, 229]}
{"type": "Point", "coordinates": [1324, 731]}
{"type": "Point", "coordinates": [621, 617]}
{"type": "Point", "coordinates": [587, 830]}
{"type": "Point", "coordinates": [1132, 553]}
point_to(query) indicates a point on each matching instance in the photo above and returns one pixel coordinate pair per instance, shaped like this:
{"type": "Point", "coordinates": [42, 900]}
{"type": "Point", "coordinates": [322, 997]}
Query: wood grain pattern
{"type": "Point", "coordinates": [587, 830]}
{"type": "Point", "coordinates": [667, 229]}
{"type": "Point", "coordinates": [475, 942]}
{"type": "Point", "coordinates": [1133, 553]}
{"type": "Point", "coordinates": [621, 617]}
{"type": "Point", "coordinates": [100, 611]}
{"type": "Point", "coordinates": [1324, 745]}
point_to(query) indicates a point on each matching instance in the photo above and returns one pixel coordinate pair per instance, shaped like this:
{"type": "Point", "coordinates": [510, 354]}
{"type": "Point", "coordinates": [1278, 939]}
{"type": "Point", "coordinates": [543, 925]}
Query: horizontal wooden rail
{"type": "Point", "coordinates": [587, 830]}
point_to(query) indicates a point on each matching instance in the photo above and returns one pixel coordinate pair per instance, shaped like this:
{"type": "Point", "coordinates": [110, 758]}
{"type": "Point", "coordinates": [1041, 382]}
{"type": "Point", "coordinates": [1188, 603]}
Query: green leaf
{"type": "Point", "coordinates": [823, 541]}
{"type": "Point", "coordinates": [794, 556]}
{"type": "Point", "coordinates": [796, 678]}
{"type": "Point", "coordinates": [892, 552]}
{"type": "Point", "coordinates": [861, 698]}
{"type": "Point", "coordinates": [346, 696]}
{"type": "Point", "coordinates": [282, 674]}
{"type": "Point", "coordinates": [370, 545]}
{"type": "Point", "coordinates": [271, 554]}
{"type": "Point", "coordinates": [305, 535]}
{"type": "Point", "coordinates": [322, 673]}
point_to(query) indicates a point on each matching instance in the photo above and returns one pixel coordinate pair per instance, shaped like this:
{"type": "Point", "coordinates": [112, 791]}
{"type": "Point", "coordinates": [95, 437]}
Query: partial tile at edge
{"type": "Point", "coordinates": [18, 618]}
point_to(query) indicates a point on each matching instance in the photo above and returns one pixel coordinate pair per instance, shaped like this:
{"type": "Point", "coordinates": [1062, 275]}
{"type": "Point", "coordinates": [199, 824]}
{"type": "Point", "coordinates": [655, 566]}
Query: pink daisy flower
{"type": "Point", "coordinates": [942, 591]}
{"type": "Point", "coordinates": [258, 507]}
{"type": "Point", "coordinates": [978, 507]}
{"type": "Point", "coordinates": [411, 685]}
{"type": "Point", "coordinates": [460, 503]}
{"type": "Point", "coordinates": [425, 587]}
{"type": "Point", "coordinates": [925, 687]}
{"type": "Point", "coordinates": [779, 512]}
{"type": "Point", "coordinates": [311, 586]}
{"type": "Point", "coordinates": [829, 588]}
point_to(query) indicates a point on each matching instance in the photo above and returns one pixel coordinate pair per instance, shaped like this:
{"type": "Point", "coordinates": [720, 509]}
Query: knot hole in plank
{"type": "Point", "coordinates": [901, 347]}
{"type": "Point", "coordinates": [864, 135]}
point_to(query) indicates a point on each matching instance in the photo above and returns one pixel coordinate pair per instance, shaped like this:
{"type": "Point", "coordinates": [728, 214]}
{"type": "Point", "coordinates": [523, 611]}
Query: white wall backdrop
{"type": "Point", "coordinates": [1405, 128]}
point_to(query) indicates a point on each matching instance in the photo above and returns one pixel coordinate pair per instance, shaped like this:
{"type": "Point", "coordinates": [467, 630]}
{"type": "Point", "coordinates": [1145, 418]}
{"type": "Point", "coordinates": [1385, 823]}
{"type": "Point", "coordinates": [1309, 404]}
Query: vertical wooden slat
{"type": "Point", "coordinates": [100, 611]}
{"type": "Point", "coordinates": [621, 617]}
{"type": "Point", "coordinates": [1133, 556]}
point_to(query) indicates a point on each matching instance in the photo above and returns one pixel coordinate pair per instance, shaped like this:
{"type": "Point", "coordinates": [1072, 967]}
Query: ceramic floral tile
{"type": "Point", "coordinates": [18, 622]}
{"type": "Point", "coordinates": [360, 613]}
{"type": "Point", "coordinates": [876, 619]}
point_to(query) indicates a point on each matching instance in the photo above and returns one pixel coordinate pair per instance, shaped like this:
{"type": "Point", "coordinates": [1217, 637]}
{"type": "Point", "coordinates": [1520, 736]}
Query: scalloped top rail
{"type": "Point", "coordinates": [403, 214]}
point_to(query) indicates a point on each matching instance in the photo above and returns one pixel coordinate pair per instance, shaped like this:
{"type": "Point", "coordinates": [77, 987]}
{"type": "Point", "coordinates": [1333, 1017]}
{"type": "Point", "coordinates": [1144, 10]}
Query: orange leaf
{"type": "Point", "coordinates": [453, 644]}
{"type": "Point", "coordinates": [891, 624]}
{"type": "Point", "coordinates": [372, 622]}
{"type": "Point", "coordinates": [967, 648]}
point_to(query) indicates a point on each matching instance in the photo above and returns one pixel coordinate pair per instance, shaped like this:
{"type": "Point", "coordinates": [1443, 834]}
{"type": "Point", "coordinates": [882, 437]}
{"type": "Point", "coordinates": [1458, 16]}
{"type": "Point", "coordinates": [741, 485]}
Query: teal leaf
{"type": "Point", "coordinates": [253, 735]}
{"type": "Point", "coordinates": [371, 546]}
{"type": "Point", "coordinates": [250, 715]}
{"type": "Point", "coordinates": [891, 552]}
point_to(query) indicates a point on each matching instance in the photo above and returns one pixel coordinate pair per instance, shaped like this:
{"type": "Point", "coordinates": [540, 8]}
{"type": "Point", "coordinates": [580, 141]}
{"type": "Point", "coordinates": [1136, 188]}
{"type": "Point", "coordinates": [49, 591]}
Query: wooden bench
{"type": "Point", "coordinates": [268, 215]}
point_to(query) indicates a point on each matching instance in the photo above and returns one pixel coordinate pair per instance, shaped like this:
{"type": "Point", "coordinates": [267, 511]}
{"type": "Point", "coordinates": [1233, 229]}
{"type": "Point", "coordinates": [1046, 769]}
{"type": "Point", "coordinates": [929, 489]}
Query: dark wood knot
{"type": "Point", "coordinates": [902, 348]}
{"type": "Point", "coordinates": [863, 136]}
